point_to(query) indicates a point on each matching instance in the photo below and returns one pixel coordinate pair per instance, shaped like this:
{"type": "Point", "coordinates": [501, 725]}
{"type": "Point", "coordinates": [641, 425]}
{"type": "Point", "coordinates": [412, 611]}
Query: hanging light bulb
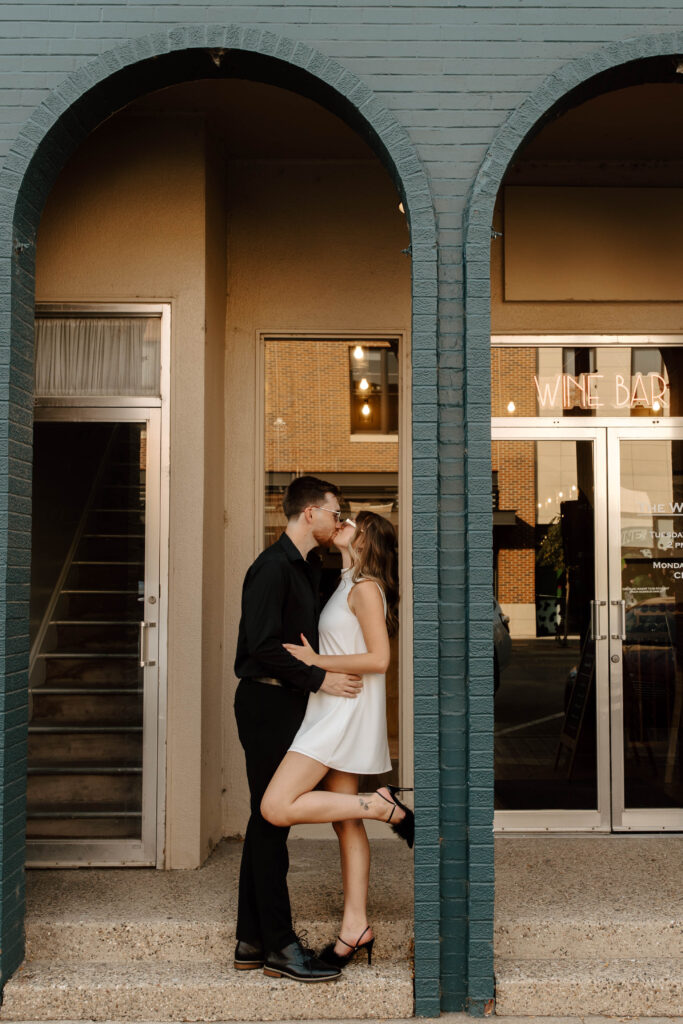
{"type": "Point", "coordinates": [656, 406]}
{"type": "Point", "coordinates": [511, 406]}
{"type": "Point", "coordinates": [364, 384]}
{"type": "Point", "coordinates": [358, 352]}
{"type": "Point", "coordinates": [366, 409]}
{"type": "Point", "coordinates": [560, 494]}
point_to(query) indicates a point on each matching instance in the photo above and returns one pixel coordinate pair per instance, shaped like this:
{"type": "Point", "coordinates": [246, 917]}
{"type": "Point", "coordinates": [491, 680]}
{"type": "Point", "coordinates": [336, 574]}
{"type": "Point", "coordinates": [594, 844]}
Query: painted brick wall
{"type": "Point", "coordinates": [451, 75]}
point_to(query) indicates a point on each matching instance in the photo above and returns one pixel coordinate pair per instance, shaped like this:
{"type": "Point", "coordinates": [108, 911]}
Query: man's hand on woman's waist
{"type": "Point", "coordinates": [339, 684]}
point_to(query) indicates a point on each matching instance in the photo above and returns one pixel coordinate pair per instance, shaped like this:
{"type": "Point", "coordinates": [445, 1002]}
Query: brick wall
{"type": "Point", "coordinates": [308, 417]}
{"type": "Point", "coordinates": [515, 463]}
{"type": "Point", "coordinates": [451, 90]}
{"type": "Point", "coordinates": [512, 380]}
{"type": "Point", "coordinates": [512, 371]}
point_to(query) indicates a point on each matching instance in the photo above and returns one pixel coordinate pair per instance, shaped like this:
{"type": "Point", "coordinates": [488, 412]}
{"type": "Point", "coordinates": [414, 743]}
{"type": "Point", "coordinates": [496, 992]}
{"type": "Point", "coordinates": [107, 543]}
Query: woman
{"type": "Point", "coordinates": [342, 738]}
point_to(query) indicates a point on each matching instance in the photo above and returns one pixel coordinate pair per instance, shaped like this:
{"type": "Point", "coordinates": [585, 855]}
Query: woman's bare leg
{"type": "Point", "coordinates": [354, 851]}
{"type": "Point", "coordinates": [291, 800]}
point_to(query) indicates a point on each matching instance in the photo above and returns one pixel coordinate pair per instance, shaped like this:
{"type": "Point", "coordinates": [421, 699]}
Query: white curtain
{"type": "Point", "coordinates": [98, 355]}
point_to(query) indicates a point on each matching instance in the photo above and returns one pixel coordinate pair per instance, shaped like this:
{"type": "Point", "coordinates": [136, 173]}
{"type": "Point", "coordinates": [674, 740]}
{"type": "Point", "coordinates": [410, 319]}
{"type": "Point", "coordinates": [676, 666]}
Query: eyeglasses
{"type": "Point", "coordinates": [335, 511]}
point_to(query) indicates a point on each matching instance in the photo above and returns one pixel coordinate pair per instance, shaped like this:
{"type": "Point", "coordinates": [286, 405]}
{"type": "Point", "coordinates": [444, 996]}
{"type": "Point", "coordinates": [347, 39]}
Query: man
{"type": "Point", "coordinates": [279, 603]}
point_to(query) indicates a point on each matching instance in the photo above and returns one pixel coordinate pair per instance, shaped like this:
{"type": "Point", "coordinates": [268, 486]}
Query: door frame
{"type": "Point", "coordinates": [605, 434]}
{"type": "Point", "coordinates": [150, 850]}
{"type": "Point", "coordinates": [637, 819]}
{"type": "Point", "coordinates": [405, 530]}
{"type": "Point", "coordinates": [588, 820]}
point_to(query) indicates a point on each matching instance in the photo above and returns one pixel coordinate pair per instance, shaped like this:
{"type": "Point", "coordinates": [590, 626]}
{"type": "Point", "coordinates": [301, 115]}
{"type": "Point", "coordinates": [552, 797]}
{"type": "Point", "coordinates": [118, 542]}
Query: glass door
{"type": "Point", "coordinates": [551, 666]}
{"type": "Point", "coordinates": [646, 626]}
{"type": "Point", "coordinates": [94, 667]}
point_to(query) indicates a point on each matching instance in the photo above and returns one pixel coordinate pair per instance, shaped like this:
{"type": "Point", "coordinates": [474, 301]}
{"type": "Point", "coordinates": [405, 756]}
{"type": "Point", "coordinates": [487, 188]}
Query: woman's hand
{"type": "Point", "coordinates": [304, 653]}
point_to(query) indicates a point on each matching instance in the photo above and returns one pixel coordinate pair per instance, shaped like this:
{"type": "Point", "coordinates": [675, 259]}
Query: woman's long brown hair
{"type": "Point", "coordinates": [375, 557]}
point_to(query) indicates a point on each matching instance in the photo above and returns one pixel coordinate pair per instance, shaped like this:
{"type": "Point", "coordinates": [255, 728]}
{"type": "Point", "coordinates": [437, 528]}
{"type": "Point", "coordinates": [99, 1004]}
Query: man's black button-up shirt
{"type": "Point", "coordinates": [279, 602]}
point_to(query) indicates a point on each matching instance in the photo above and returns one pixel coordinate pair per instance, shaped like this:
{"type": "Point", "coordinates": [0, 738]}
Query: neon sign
{"type": "Point", "coordinates": [645, 390]}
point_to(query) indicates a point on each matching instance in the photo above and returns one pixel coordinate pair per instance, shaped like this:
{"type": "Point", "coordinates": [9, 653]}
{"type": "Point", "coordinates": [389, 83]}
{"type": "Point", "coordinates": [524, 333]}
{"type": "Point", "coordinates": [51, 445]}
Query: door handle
{"type": "Point", "coordinates": [595, 620]}
{"type": "Point", "coordinates": [621, 635]}
{"type": "Point", "coordinates": [143, 643]}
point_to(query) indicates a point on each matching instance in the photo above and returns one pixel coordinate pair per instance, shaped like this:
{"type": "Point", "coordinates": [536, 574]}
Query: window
{"type": "Point", "coordinates": [97, 355]}
{"type": "Point", "coordinates": [374, 389]}
{"type": "Point", "coordinates": [310, 388]}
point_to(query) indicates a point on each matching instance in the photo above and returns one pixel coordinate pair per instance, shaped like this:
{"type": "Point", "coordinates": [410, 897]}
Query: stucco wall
{"type": "Point", "coordinates": [312, 247]}
{"type": "Point", "coordinates": [125, 221]}
{"type": "Point", "coordinates": [149, 209]}
{"type": "Point", "coordinates": [613, 316]}
{"type": "Point", "coordinates": [213, 593]}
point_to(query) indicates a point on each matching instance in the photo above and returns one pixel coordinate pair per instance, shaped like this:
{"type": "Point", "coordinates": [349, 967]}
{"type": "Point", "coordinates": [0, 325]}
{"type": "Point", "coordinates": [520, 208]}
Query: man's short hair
{"type": "Point", "coordinates": [305, 491]}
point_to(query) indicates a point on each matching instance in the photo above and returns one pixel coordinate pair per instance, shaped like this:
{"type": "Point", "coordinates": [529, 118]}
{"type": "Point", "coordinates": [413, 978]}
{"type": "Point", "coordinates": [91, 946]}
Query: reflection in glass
{"type": "Point", "coordinates": [545, 736]}
{"type": "Point", "coordinates": [310, 391]}
{"type": "Point", "coordinates": [374, 389]}
{"type": "Point", "coordinates": [571, 381]}
{"type": "Point", "coordinates": [652, 591]}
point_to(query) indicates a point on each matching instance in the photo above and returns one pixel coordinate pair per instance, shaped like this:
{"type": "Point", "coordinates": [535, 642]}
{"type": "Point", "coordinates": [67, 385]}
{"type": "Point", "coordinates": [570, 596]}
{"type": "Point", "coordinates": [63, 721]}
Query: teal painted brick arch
{"type": "Point", "coordinates": [478, 219]}
{"type": "Point", "coordinates": [39, 152]}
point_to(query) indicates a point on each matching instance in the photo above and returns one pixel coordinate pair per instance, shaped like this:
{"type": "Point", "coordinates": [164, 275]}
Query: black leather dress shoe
{"type": "Point", "coordinates": [299, 964]}
{"type": "Point", "coordinates": [248, 956]}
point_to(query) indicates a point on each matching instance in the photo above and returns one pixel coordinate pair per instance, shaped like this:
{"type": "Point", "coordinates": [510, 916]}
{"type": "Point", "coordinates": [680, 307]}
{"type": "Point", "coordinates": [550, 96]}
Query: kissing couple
{"type": "Point", "coordinates": [311, 712]}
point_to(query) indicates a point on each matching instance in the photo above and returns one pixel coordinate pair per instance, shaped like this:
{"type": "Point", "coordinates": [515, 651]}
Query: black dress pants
{"type": "Point", "coordinates": [268, 718]}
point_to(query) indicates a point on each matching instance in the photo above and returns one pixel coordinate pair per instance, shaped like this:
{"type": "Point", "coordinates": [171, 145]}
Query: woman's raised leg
{"type": "Point", "coordinates": [291, 798]}
{"type": "Point", "coordinates": [354, 851]}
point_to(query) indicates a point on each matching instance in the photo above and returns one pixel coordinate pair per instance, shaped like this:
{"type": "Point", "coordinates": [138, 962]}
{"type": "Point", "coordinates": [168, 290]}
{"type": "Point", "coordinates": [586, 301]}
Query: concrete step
{"type": "Point", "coordinates": [628, 987]}
{"type": "Point", "coordinates": [197, 991]}
{"type": "Point", "coordinates": [529, 938]}
{"type": "Point", "coordinates": [180, 940]}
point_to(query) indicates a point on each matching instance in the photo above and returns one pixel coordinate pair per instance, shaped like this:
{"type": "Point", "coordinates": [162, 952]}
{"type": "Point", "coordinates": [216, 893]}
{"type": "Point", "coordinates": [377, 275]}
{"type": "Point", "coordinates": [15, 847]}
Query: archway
{"type": "Point", "coordinates": [575, 97]}
{"type": "Point", "coordinates": [52, 134]}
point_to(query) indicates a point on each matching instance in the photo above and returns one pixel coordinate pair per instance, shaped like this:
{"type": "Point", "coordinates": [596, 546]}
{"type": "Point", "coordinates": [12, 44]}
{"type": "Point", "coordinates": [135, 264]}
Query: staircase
{"type": "Point", "coordinates": [86, 697]}
{"type": "Point", "coordinates": [589, 926]}
{"type": "Point", "coordinates": [157, 945]}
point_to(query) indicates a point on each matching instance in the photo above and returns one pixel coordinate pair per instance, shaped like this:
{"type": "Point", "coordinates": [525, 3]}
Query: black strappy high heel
{"type": "Point", "coordinates": [332, 959]}
{"type": "Point", "coordinates": [405, 828]}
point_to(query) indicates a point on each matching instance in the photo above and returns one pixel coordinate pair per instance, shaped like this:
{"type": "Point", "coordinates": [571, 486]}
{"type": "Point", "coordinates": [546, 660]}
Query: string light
{"type": "Point", "coordinates": [366, 409]}
{"type": "Point", "coordinates": [364, 384]}
{"type": "Point", "coordinates": [511, 407]}
{"type": "Point", "coordinates": [358, 352]}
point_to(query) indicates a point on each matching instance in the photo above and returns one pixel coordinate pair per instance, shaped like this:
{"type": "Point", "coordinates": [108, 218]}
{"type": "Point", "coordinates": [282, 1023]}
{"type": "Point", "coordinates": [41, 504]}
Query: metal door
{"type": "Point", "coordinates": [94, 672]}
{"type": "Point", "coordinates": [552, 703]}
{"type": "Point", "coordinates": [645, 521]}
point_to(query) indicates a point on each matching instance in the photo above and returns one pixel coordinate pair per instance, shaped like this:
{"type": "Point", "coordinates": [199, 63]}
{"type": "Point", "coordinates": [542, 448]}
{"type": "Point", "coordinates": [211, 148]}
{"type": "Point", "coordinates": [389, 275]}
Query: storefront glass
{"type": "Point", "coordinates": [588, 573]}
{"type": "Point", "coordinates": [332, 410]}
{"type": "Point", "coordinates": [583, 380]}
{"type": "Point", "coordinates": [545, 739]}
{"type": "Point", "coordinates": [652, 592]}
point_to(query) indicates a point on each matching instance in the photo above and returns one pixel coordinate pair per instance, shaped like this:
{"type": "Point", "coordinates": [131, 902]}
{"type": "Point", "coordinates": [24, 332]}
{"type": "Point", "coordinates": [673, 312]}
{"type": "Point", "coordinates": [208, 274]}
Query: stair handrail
{"type": "Point", "coordinates": [61, 579]}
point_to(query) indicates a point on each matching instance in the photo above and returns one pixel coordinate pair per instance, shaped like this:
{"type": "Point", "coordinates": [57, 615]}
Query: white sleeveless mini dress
{"type": "Point", "coordinates": [346, 733]}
